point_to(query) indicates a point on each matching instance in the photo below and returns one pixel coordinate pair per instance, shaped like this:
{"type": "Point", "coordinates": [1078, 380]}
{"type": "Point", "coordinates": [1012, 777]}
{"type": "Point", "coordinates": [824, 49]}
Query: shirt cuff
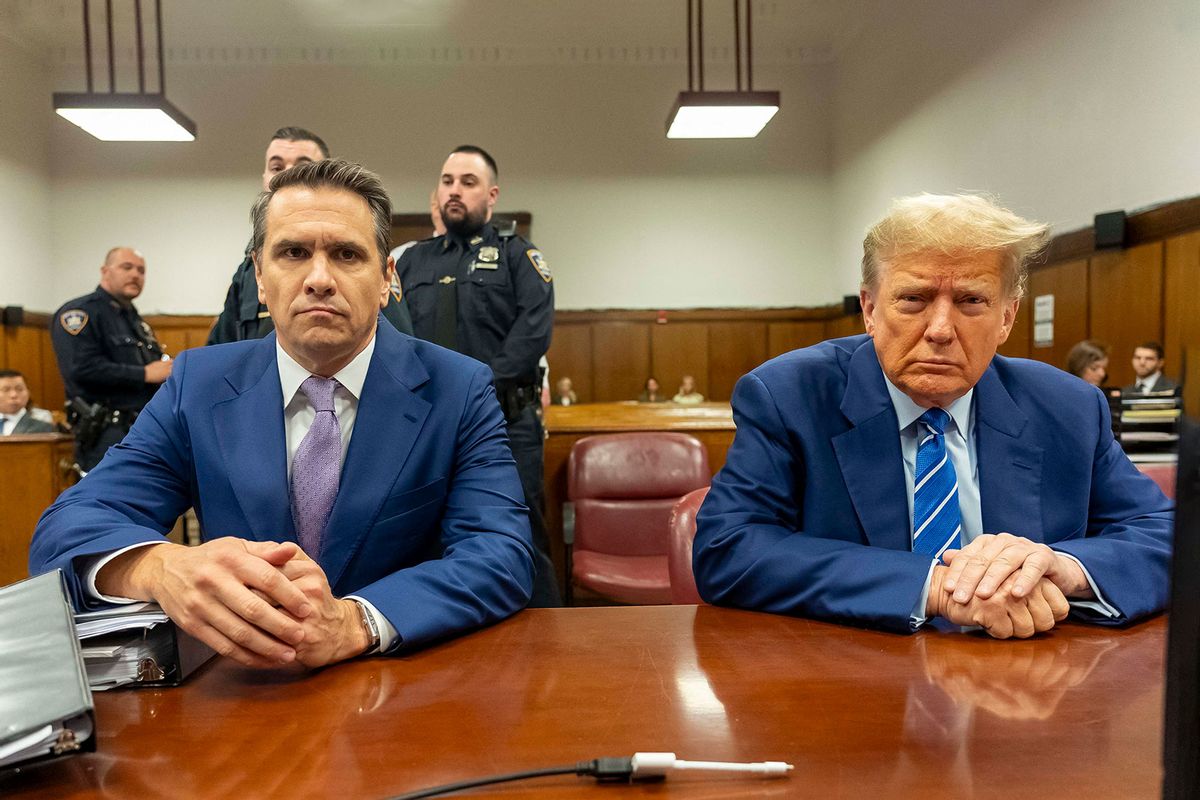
{"type": "Point", "coordinates": [1099, 606]}
{"type": "Point", "coordinates": [918, 616]}
{"type": "Point", "coordinates": [388, 635]}
{"type": "Point", "coordinates": [97, 563]}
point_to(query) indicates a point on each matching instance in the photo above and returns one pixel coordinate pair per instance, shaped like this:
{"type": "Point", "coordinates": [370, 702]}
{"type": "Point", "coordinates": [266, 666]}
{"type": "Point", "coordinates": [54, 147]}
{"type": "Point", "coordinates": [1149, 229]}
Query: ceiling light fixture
{"type": "Point", "coordinates": [125, 117]}
{"type": "Point", "coordinates": [739, 114]}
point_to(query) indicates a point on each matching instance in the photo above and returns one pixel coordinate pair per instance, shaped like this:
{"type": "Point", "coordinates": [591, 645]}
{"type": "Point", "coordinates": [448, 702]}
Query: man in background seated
{"type": "Point", "coordinates": [687, 393]}
{"type": "Point", "coordinates": [244, 316]}
{"type": "Point", "coordinates": [16, 416]}
{"type": "Point", "coordinates": [912, 473]}
{"type": "Point", "coordinates": [354, 486]}
{"type": "Point", "coordinates": [110, 360]}
{"type": "Point", "coordinates": [1147, 365]}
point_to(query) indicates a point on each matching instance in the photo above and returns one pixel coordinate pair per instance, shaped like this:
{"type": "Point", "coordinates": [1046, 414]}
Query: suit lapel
{"type": "Point", "coordinates": [249, 427]}
{"type": "Point", "coordinates": [869, 453]}
{"type": "Point", "coordinates": [389, 418]}
{"type": "Point", "coordinates": [1010, 468]}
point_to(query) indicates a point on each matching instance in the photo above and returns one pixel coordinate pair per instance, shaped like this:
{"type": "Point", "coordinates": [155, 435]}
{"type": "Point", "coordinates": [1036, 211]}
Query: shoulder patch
{"type": "Point", "coordinates": [73, 320]}
{"type": "Point", "coordinates": [539, 263]}
{"type": "Point", "coordinates": [395, 288]}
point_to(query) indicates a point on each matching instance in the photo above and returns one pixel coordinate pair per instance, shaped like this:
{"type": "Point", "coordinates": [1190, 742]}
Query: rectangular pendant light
{"type": "Point", "coordinates": [126, 117]}
{"type": "Point", "coordinates": [721, 115]}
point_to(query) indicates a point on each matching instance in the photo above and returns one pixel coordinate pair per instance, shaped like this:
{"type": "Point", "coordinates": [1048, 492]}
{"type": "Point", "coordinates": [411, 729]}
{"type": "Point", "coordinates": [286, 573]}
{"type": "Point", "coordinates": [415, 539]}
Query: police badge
{"type": "Point", "coordinates": [489, 254]}
{"type": "Point", "coordinates": [73, 321]}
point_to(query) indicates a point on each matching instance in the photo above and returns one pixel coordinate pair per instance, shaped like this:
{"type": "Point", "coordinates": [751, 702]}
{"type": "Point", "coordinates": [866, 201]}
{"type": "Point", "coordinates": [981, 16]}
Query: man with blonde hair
{"type": "Point", "coordinates": [910, 473]}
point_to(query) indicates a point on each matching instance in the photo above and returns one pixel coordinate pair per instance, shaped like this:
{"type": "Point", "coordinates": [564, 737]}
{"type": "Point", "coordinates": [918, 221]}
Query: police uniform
{"type": "Point", "coordinates": [490, 296]}
{"type": "Point", "coordinates": [103, 346]}
{"type": "Point", "coordinates": [243, 317]}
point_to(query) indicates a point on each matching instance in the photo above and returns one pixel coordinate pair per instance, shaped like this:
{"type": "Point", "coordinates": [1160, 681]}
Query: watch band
{"type": "Point", "coordinates": [369, 627]}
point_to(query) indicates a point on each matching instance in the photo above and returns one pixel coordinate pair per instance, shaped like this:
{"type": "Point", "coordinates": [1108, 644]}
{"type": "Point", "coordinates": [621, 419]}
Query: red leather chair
{"type": "Point", "coordinates": [622, 488]}
{"type": "Point", "coordinates": [679, 556]}
{"type": "Point", "coordinates": [1163, 475]}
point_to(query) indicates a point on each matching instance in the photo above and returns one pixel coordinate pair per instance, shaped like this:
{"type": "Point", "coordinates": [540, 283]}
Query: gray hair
{"type": "Point", "coordinates": [957, 223]}
{"type": "Point", "coordinates": [332, 173]}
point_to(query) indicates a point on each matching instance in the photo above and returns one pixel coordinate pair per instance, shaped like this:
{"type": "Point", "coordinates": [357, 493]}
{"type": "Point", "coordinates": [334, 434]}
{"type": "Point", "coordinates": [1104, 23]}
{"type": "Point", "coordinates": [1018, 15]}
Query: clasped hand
{"type": "Point", "coordinates": [262, 604]}
{"type": "Point", "coordinates": [1007, 584]}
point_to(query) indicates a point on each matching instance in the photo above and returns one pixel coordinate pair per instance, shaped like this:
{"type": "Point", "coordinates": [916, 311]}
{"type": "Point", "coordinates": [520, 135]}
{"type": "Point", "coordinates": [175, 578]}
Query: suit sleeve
{"type": "Point", "coordinates": [751, 551]}
{"type": "Point", "coordinates": [135, 495]}
{"type": "Point", "coordinates": [485, 572]}
{"type": "Point", "coordinates": [1127, 545]}
{"type": "Point", "coordinates": [84, 361]}
{"type": "Point", "coordinates": [529, 337]}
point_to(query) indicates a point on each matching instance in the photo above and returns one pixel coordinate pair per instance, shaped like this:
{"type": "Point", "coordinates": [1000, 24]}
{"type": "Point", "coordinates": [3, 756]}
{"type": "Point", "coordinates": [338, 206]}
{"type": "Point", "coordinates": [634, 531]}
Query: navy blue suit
{"type": "Point", "coordinates": [428, 524]}
{"type": "Point", "coordinates": [809, 516]}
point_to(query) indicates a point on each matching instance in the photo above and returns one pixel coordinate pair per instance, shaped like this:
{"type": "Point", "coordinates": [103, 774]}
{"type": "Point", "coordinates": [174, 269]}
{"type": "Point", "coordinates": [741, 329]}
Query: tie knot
{"type": "Point", "coordinates": [936, 420]}
{"type": "Point", "coordinates": [319, 392]}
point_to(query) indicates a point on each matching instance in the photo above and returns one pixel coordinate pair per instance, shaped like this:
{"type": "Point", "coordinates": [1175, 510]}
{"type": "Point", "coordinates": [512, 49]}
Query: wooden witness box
{"type": "Point", "coordinates": [36, 469]}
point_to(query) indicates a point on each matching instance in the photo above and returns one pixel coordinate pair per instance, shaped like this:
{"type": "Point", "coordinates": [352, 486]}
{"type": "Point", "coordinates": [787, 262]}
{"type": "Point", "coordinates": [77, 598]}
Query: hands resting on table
{"type": "Point", "coordinates": [262, 604]}
{"type": "Point", "coordinates": [1008, 585]}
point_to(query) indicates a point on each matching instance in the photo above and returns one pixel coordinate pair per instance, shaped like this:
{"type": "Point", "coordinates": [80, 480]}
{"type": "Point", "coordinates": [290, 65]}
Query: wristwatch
{"type": "Point", "coordinates": [369, 627]}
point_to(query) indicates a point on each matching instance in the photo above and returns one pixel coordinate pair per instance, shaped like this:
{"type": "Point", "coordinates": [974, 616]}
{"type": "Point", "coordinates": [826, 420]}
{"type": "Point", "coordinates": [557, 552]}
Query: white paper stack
{"type": "Point", "coordinates": [116, 649]}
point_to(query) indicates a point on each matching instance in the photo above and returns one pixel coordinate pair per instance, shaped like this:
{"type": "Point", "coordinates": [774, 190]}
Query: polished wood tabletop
{"type": "Point", "coordinates": [861, 714]}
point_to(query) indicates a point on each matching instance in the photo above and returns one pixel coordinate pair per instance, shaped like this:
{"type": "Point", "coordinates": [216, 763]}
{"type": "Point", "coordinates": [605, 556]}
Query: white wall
{"type": "Point", "coordinates": [626, 218]}
{"type": "Point", "coordinates": [1083, 106]}
{"type": "Point", "coordinates": [27, 270]}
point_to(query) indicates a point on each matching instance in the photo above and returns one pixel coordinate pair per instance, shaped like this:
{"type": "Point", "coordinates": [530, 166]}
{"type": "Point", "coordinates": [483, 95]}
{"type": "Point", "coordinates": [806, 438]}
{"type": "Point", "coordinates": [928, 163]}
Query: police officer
{"type": "Point", "coordinates": [244, 316]}
{"type": "Point", "coordinates": [488, 294]}
{"type": "Point", "coordinates": [110, 360]}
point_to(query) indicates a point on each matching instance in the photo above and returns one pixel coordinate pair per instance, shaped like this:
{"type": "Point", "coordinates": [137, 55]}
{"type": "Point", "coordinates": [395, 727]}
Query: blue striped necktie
{"type": "Point", "coordinates": [937, 521]}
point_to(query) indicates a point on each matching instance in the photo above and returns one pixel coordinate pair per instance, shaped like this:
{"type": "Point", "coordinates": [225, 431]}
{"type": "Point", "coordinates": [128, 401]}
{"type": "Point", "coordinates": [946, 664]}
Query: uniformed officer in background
{"type": "Point", "coordinates": [488, 294]}
{"type": "Point", "coordinates": [110, 360]}
{"type": "Point", "coordinates": [244, 316]}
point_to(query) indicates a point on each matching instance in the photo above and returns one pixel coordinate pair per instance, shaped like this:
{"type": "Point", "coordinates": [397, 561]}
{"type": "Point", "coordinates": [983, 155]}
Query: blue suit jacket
{"type": "Point", "coordinates": [428, 525]}
{"type": "Point", "coordinates": [809, 516]}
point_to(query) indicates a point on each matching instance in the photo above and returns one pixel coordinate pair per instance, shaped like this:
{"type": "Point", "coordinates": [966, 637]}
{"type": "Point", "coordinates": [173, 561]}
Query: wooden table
{"type": "Point", "coordinates": [711, 423]}
{"type": "Point", "coordinates": [861, 714]}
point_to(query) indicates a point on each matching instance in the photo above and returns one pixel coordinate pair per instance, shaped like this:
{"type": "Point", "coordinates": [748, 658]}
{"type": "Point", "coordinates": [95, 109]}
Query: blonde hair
{"type": "Point", "coordinates": [954, 223]}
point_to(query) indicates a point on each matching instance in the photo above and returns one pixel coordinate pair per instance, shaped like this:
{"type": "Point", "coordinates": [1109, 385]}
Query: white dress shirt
{"type": "Point", "coordinates": [961, 449]}
{"type": "Point", "coordinates": [10, 422]}
{"type": "Point", "coordinates": [298, 416]}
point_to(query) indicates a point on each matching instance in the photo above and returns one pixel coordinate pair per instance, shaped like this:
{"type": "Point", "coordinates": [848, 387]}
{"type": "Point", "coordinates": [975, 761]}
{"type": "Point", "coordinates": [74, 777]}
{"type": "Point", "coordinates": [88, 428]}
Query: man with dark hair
{"type": "Point", "coordinates": [243, 316]}
{"type": "Point", "coordinates": [110, 360]}
{"type": "Point", "coordinates": [15, 414]}
{"type": "Point", "coordinates": [354, 485]}
{"type": "Point", "coordinates": [1147, 365]}
{"type": "Point", "coordinates": [488, 294]}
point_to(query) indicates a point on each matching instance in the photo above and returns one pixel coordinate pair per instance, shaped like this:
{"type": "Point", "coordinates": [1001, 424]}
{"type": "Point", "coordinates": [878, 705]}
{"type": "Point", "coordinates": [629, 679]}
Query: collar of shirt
{"type": "Point", "coordinates": [298, 413]}
{"type": "Point", "coordinates": [1147, 383]}
{"type": "Point", "coordinates": [908, 412]}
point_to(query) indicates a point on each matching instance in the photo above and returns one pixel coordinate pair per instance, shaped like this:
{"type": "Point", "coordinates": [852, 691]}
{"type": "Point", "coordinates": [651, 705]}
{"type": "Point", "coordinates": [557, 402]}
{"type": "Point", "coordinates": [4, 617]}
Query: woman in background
{"type": "Point", "coordinates": [1089, 360]}
{"type": "Point", "coordinates": [651, 393]}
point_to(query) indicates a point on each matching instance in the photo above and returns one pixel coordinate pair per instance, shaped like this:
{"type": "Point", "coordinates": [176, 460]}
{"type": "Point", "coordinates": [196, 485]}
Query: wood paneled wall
{"type": "Point", "coordinates": [609, 354]}
{"type": "Point", "coordinates": [26, 347]}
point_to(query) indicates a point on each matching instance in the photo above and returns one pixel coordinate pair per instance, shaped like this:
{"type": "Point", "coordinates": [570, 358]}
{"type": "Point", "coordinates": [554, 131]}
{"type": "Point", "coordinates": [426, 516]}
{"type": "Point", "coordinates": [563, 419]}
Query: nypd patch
{"type": "Point", "coordinates": [394, 287]}
{"type": "Point", "coordinates": [540, 264]}
{"type": "Point", "coordinates": [73, 320]}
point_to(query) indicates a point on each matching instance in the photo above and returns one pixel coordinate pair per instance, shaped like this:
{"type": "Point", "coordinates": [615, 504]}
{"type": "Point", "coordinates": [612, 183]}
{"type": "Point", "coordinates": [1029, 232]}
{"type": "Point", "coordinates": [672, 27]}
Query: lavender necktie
{"type": "Point", "coordinates": [316, 467]}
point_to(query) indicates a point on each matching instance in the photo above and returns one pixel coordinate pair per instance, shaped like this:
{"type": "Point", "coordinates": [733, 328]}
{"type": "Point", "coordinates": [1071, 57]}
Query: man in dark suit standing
{"type": "Point", "coordinates": [913, 473]}
{"type": "Point", "coordinates": [354, 485]}
{"type": "Point", "coordinates": [1147, 365]}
